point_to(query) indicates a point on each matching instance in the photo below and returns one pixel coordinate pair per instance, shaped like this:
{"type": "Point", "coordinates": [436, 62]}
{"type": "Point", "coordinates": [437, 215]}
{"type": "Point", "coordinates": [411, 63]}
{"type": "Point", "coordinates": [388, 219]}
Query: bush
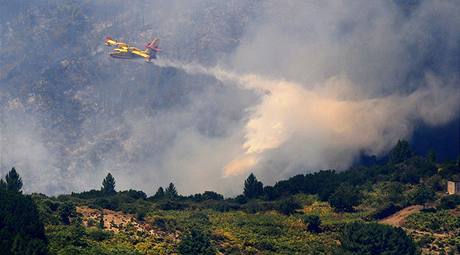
{"type": "Point", "coordinates": [241, 199]}
{"type": "Point", "coordinates": [265, 246]}
{"type": "Point", "coordinates": [97, 234]}
{"type": "Point", "coordinates": [211, 195]}
{"type": "Point", "coordinates": [66, 212]}
{"type": "Point", "coordinates": [140, 215]}
{"type": "Point", "coordinates": [271, 193]}
{"type": "Point", "coordinates": [88, 194]}
{"type": "Point", "coordinates": [422, 194]}
{"type": "Point", "coordinates": [257, 206]}
{"type": "Point", "coordinates": [385, 211]}
{"type": "Point", "coordinates": [110, 203]}
{"type": "Point", "coordinates": [288, 206]}
{"type": "Point", "coordinates": [313, 223]}
{"type": "Point", "coordinates": [344, 198]}
{"type": "Point", "coordinates": [373, 238]}
{"type": "Point", "coordinates": [450, 202]}
{"type": "Point", "coordinates": [221, 206]}
{"type": "Point", "coordinates": [196, 242]}
{"type": "Point", "coordinates": [171, 205]}
{"type": "Point", "coordinates": [134, 194]}
{"type": "Point", "coordinates": [165, 224]}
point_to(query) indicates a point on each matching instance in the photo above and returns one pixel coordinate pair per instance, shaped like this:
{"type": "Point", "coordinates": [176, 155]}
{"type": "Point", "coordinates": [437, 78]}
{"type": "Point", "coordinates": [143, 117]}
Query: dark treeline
{"type": "Point", "coordinates": [21, 230]}
{"type": "Point", "coordinates": [341, 189]}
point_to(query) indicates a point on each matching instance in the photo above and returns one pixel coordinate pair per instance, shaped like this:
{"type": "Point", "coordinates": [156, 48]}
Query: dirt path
{"type": "Point", "coordinates": [399, 218]}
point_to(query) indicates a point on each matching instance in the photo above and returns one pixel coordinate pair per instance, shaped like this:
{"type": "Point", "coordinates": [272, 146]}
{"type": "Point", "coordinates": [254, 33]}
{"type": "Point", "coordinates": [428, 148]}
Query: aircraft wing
{"type": "Point", "coordinates": [140, 53]}
{"type": "Point", "coordinates": [111, 42]}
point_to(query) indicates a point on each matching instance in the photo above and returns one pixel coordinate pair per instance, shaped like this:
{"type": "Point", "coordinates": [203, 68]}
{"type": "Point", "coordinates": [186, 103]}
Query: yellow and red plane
{"type": "Point", "coordinates": [123, 50]}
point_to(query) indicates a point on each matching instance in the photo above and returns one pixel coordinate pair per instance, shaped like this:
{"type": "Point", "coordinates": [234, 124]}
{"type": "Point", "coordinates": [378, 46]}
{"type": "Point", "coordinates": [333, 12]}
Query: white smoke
{"type": "Point", "coordinates": [329, 125]}
{"type": "Point", "coordinates": [23, 146]}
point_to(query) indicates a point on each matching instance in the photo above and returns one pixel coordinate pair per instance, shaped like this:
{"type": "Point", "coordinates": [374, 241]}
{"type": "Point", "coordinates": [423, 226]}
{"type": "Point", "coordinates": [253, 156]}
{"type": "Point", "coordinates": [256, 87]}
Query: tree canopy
{"type": "Point", "coordinates": [171, 191]}
{"type": "Point", "coordinates": [400, 152]}
{"type": "Point", "coordinates": [13, 181]}
{"type": "Point", "coordinates": [373, 238]}
{"type": "Point", "coordinates": [159, 194]}
{"type": "Point", "coordinates": [21, 231]}
{"type": "Point", "coordinates": [108, 184]}
{"type": "Point", "coordinates": [344, 198]}
{"type": "Point", "coordinates": [252, 187]}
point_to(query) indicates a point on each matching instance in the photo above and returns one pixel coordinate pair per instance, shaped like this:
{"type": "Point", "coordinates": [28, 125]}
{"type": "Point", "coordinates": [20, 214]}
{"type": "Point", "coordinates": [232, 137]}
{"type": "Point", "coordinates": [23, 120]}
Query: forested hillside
{"type": "Point", "coordinates": [394, 207]}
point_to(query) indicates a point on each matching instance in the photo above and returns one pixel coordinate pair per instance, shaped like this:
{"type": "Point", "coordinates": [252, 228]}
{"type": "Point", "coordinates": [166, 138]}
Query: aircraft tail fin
{"type": "Point", "coordinates": [153, 45]}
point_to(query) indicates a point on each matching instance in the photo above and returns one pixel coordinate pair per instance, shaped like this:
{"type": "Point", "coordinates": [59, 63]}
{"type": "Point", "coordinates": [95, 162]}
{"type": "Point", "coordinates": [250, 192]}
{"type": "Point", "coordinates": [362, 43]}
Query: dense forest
{"type": "Point", "coordinates": [326, 212]}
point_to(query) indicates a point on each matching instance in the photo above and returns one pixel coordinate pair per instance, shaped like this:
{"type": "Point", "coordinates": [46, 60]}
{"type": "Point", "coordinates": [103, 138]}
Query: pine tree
{"type": "Point", "coordinates": [400, 152]}
{"type": "Point", "coordinates": [159, 194]}
{"type": "Point", "coordinates": [2, 185]}
{"type": "Point", "coordinates": [171, 191]}
{"type": "Point", "coordinates": [21, 230]}
{"type": "Point", "coordinates": [13, 181]}
{"type": "Point", "coordinates": [252, 187]}
{"type": "Point", "coordinates": [108, 185]}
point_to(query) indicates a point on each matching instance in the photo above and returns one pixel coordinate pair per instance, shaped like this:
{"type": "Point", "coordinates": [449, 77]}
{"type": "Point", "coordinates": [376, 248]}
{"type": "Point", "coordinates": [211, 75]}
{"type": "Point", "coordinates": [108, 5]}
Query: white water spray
{"type": "Point", "coordinates": [324, 121]}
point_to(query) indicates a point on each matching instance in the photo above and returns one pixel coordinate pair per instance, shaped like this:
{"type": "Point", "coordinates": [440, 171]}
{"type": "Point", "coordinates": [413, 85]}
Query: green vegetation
{"type": "Point", "coordinates": [108, 185]}
{"type": "Point", "coordinates": [197, 242]}
{"type": "Point", "coordinates": [344, 198]}
{"type": "Point", "coordinates": [438, 222]}
{"type": "Point", "coordinates": [13, 181]}
{"type": "Point", "coordinates": [372, 238]}
{"type": "Point", "coordinates": [252, 187]}
{"type": "Point", "coordinates": [313, 223]}
{"type": "Point", "coordinates": [21, 231]}
{"type": "Point", "coordinates": [326, 212]}
{"type": "Point", "coordinates": [171, 191]}
{"type": "Point", "coordinates": [401, 152]}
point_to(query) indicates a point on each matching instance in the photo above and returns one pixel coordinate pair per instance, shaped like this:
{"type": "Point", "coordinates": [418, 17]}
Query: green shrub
{"type": "Point", "coordinates": [450, 202]}
{"type": "Point", "coordinates": [195, 243]}
{"type": "Point", "coordinates": [373, 238]}
{"type": "Point", "coordinates": [344, 198]}
{"type": "Point", "coordinates": [140, 215]}
{"type": "Point", "coordinates": [439, 221]}
{"type": "Point", "coordinates": [255, 206]}
{"type": "Point", "coordinates": [241, 199]}
{"type": "Point", "coordinates": [165, 224]}
{"type": "Point", "coordinates": [66, 212]}
{"type": "Point", "coordinates": [97, 234]}
{"type": "Point", "coordinates": [110, 203]}
{"type": "Point", "coordinates": [288, 206]}
{"type": "Point", "coordinates": [171, 205]}
{"type": "Point", "coordinates": [313, 223]}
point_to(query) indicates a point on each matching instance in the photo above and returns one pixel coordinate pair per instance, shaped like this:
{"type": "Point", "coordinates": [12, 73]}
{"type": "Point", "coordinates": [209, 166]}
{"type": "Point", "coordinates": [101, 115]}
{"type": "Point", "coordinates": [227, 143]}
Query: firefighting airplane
{"type": "Point", "coordinates": [123, 50]}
